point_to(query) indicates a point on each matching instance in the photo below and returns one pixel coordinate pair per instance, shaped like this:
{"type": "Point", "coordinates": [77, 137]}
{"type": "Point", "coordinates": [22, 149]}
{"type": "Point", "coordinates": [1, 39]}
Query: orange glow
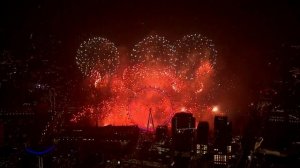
{"type": "Point", "coordinates": [156, 77]}
{"type": "Point", "coordinates": [137, 89]}
{"type": "Point", "coordinates": [215, 109]}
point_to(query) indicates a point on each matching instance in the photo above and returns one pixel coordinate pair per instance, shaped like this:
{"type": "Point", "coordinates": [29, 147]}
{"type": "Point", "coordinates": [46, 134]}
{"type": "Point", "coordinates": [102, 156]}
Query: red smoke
{"type": "Point", "coordinates": [158, 76]}
{"type": "Point", "coordinates": [130, 93]}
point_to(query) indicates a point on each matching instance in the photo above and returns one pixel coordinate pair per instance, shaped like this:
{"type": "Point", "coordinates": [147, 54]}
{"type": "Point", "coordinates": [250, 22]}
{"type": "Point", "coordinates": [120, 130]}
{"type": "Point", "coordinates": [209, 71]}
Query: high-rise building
{"type": "Point", "coordinates": [183, 126]}
{"type": "Point", "coordinates": [183, 136]}
{"type": "Point", "coordinates": [222, 144]}
{"type": "Point", "coordinates": [222, 132]}
{"type": "Point", "coordinates": [202, 138]}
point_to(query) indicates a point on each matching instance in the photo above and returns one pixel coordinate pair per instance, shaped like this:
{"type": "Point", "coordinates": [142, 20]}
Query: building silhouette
{"type": "Point", "coordinates": [183, 136]}
{"type": "Point", "coordinates": [222, 141]}
{"type": "Point", "coordinates": [202, 138]}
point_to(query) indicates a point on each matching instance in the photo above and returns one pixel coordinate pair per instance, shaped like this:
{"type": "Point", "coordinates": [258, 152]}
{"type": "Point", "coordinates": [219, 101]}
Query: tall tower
{"type": "Point", "coordinates": [150, 122]}
{"type": "Point", "coordinates": [183, 135]}
{"type": "Point", "coordinates": [183, 127]}
{"type": "Point", "coordinates": [222, 144]}
{"type": "Point", "coordinates": [202, 138]}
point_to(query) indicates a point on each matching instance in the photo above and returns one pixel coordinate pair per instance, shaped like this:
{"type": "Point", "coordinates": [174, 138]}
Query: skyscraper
{"type": "Point", "coordinates": [183, 135]}
{"type": "Point", "coordinates": [183, 126]}
{"type": "Point", "coordinates": [202, 137]}
{"type": "Point", "coordinates": [222, 136]}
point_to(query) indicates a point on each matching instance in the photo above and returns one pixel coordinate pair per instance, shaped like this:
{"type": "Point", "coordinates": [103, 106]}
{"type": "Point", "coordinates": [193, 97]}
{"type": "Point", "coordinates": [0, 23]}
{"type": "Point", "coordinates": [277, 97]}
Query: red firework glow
{"type": "Point", "coordinates": [162, 77]}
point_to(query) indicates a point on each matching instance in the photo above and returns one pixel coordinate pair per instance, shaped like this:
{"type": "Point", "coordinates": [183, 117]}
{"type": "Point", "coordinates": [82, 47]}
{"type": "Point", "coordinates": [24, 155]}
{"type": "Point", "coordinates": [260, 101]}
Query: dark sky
{"type": "Point", "coordinates": [248, 36]}
{"type": "Point", "coordinates": [126, 22]}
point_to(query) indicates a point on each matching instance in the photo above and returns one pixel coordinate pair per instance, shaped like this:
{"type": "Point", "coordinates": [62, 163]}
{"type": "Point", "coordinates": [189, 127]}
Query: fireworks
{"type": "Point", "coordinates": [161, 76]}
{"type": "Point", "coordinates": [97, 54]}
{"type": "Point", "coordinates": [193, 51]}
{"type": "Point", "coordinates": [154, 50]}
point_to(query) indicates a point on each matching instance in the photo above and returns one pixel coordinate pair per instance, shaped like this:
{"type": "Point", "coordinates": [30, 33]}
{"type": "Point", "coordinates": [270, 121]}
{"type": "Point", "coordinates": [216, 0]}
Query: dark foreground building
{"type": "Point", "coordinates": [222, 141]}
{"type": "Point", "coordinates": [183, 136]}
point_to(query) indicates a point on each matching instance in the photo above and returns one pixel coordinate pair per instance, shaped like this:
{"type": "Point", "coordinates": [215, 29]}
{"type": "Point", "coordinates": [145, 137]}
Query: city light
{"type": "Point", "coordinates": [180, 84]}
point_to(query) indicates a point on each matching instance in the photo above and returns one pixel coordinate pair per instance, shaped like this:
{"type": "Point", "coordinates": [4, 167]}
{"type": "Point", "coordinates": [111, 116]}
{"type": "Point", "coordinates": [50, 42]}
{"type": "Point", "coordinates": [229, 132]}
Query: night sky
{"type": "Point", "coordinates": [250, 37]}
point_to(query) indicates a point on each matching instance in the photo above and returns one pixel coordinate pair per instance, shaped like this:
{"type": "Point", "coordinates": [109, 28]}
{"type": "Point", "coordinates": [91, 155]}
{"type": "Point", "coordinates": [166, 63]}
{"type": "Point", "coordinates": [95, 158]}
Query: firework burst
{"type": "Point", "coordinates": [97, 54]}
{"type": "Point", "coordinates": [161, 76]}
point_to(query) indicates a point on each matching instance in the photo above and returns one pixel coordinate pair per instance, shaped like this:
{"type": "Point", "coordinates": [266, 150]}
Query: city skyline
{"type": "Point", "coordinates": [149, 84]}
